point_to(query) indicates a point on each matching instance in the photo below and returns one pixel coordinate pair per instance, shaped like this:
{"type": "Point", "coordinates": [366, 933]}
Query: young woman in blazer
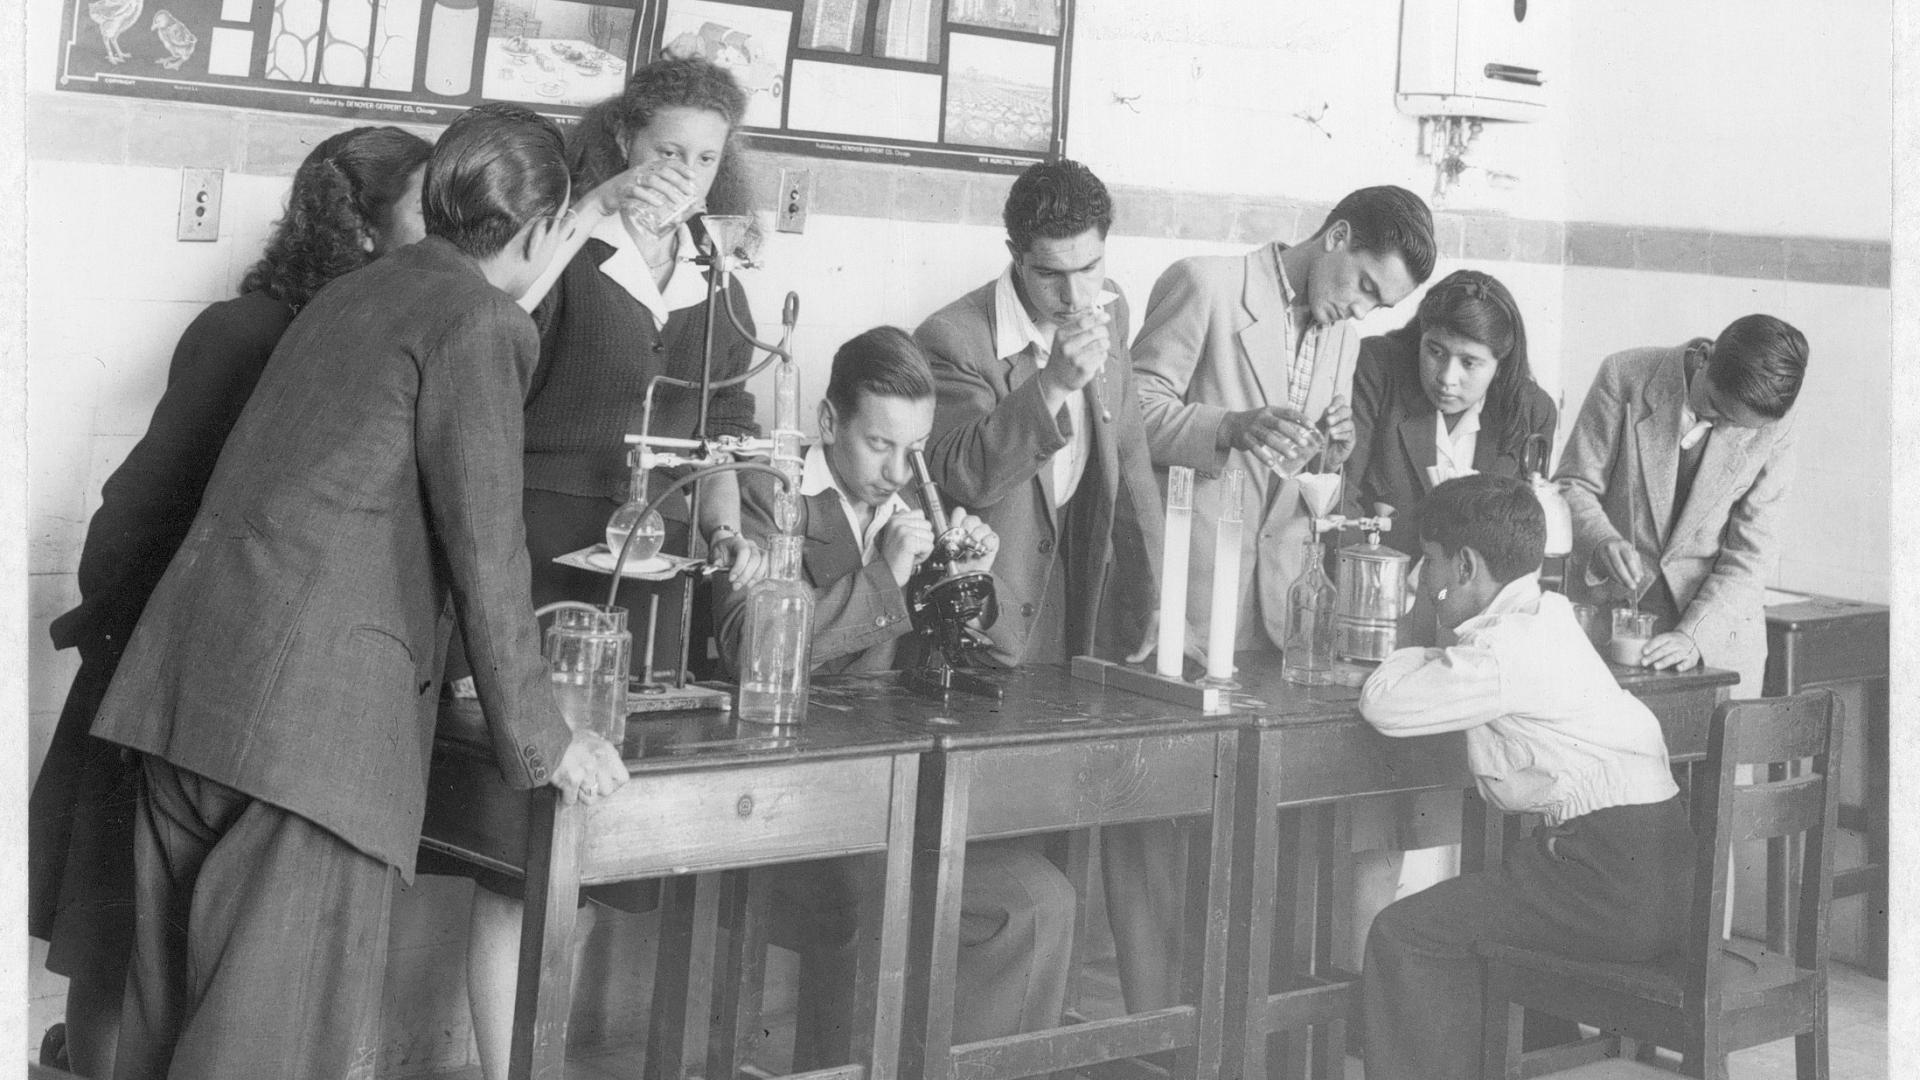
{"type": "Point", "coordinates": [1449, 393]}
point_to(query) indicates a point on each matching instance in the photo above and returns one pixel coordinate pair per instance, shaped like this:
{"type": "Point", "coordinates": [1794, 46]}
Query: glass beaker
{"type": "Point", "coordinates": [1631, 632]}
{"type": "Point", "coordinates": [1591, 624]}
{"type": "Point", "coordinates": [1307, 657]}
{"type": "Point", "coordinates": [588, 651]}
{"type": "Point", "coordinates": [776, 646]}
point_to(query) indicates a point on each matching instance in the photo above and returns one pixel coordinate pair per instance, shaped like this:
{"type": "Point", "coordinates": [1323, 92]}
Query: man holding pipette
{"type": "Point", "coordinates": [1675, 474]}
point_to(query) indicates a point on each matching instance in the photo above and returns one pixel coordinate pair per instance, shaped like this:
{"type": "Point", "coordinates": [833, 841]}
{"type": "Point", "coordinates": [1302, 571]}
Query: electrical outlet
{"type": "Point", "coordinates": [200, 203]}
{"type": "Point", "coordinates": [796, 195]}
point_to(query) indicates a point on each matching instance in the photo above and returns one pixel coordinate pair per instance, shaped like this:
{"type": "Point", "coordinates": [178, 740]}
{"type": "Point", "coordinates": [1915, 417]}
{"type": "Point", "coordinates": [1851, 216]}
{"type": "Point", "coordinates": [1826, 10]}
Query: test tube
{"type": "Point", "coordinates": [1173, 572]}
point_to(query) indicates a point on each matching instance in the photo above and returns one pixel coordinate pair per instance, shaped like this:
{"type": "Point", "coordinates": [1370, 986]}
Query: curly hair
{"type": "Point", "coordinates": [596, 145]}
{"type": "Point", "coordinates": [1054, 200]}
{"type": "Point", "coordinates": [344, 190]}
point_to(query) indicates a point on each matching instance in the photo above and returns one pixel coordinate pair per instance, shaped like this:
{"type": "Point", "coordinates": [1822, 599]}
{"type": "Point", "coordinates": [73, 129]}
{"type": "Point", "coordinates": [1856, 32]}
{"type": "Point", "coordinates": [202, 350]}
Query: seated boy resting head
{"type": "Point", "coordinates": [1549, 731]}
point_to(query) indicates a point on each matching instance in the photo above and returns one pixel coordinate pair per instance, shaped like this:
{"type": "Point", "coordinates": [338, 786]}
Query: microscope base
{"type": "Point", "coordinates": [944, 680]}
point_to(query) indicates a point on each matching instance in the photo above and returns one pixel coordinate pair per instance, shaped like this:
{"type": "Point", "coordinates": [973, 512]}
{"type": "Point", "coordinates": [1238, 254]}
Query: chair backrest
{"type": "Point", "coordinates": [1769, 736]}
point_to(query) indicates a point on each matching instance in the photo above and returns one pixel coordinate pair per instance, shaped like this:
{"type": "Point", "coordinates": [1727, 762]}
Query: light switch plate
{"type": "Point", "coordinates": [796, 196]}
{"type": "Point", "coordinates": [200, 203]}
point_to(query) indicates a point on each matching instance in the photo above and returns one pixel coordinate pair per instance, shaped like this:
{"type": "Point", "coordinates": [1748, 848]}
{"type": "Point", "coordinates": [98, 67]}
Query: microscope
{"type": "Point", "coordinates": [948, 609]}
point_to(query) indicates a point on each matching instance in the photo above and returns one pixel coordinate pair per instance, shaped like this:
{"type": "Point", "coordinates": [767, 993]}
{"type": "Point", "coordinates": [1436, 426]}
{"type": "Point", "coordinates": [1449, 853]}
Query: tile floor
{"type": "Point", "coordinates": [1857, 1025]}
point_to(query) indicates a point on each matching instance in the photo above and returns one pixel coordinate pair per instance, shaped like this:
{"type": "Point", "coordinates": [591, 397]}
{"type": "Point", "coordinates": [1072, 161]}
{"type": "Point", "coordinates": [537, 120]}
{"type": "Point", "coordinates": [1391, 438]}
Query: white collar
{"type": "Point", "coordinates": [1013, 328]}
{"type": "Point", "coordinates": [1465, 426]}
{"type": "Point", "coordinates": [629, 270]}
{"type": "Point", "coordinates": [816, 477]}
{"type": "Point", "coordinates": [1522, 595]}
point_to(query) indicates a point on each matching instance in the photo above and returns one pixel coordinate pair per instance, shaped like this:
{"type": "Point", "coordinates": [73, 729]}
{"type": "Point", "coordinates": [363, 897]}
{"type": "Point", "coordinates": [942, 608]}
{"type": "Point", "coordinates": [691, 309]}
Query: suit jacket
{"type": "Point", "coordinates": [859, 612]}
{"type": "Point", "coordinates": [993, 439]}
{"type": "Point", "coordinates": [1393, 445]}
{"type": "Point", "coordinates": [1214, 341]}
{"type": "Point", "coordinates": [291, 651]}
{"type": "Point", "coordinates": [1619, 472]}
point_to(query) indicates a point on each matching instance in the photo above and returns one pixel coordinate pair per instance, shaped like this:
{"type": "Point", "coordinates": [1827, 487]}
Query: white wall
{"type": "Point", "coordinates": [1769, 116]}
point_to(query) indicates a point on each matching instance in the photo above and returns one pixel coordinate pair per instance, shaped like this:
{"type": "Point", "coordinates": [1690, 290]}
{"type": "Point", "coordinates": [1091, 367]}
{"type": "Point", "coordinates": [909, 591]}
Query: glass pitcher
{"type": "Point", "coordinates": [776, 646]}
{"type": "Point", "coordinates": [589, 651]}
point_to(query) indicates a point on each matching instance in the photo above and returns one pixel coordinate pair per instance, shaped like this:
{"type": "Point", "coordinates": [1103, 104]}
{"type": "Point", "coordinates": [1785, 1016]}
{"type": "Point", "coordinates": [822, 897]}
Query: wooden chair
{"type": "Point", "coordinates": [1718, 995]}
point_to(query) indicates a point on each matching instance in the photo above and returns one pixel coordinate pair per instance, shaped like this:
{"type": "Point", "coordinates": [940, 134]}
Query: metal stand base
{"type": "Point", "coordinates": [1208, 699]}
{"type": "Point", "coordinates": [662, 697]}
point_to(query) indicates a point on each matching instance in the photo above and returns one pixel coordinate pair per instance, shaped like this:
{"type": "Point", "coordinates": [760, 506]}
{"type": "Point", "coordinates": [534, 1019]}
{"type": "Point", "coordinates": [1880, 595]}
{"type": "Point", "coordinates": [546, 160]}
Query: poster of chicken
{"type": "Point", "coordinates": [410, 60]}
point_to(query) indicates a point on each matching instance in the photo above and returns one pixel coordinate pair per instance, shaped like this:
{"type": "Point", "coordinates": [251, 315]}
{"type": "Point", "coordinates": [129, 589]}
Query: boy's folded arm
{"type": "Point", "coordinates": [1430, 691]}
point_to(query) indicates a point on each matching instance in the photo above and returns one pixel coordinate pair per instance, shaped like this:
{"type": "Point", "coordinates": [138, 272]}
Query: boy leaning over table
{"type": "Point", "coordinates": [1549, 731]}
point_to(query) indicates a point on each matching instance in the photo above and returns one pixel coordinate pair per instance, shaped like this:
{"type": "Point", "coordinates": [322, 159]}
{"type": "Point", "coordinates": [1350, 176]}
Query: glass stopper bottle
{"type": "Point", "coordinates": [776, 647]}
{"type": "Point", "coordinates": [1311, 601]}
{"type": "Point", "coordinates": [649, 531]}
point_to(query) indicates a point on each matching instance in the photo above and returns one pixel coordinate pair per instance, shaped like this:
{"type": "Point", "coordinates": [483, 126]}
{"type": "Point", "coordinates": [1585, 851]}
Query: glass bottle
{"type": "Point", "coordinates": [786, 444]}
{"type": "Point", "coordinates": [649, 531]}
{"type": "Point", "coordinates": [1311, 601]}
{"type": "Point", "coordinates": [776, 647]}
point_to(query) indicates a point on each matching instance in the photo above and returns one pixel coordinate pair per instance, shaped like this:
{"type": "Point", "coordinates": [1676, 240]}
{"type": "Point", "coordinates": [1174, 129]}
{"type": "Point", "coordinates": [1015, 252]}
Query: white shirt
{"type": "Point", "coordinates": [1453, 450]}
{"type": "Point", "coordinates": [1014, 332]}
{"type": "Point", "coordinates": [629, 270]}
{"type": "Point", "coordinates": [1549, 730]}
{"type": "Point", "coordinates": [817, 477]}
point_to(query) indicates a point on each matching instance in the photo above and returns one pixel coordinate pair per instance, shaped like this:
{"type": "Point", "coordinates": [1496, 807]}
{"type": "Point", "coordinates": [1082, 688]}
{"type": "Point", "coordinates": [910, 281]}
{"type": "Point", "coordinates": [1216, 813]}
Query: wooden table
{"type": "Point", "coordinates": [1815, 641]}
{"type": "Point", "coordinates": [707, 794]}
{"type": "Point", "coordinates": [1306, 753]}
{"type": "Point", "coordinates": [1064, 754]}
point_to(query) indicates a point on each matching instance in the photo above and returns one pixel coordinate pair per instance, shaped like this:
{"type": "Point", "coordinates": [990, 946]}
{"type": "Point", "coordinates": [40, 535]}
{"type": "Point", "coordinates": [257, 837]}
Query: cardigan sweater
{"type": "Point", "coordinates": [598, 349]}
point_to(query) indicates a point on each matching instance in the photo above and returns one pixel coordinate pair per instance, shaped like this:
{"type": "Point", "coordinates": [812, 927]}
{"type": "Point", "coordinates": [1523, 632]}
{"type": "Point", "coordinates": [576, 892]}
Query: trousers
{"type": "Point", "coordinates": [260, 940]}
{"type": "Point", "coordinates": [1615, 884]}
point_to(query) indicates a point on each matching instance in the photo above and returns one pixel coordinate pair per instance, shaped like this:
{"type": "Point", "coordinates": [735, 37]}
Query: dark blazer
{"type": "Point", "coordinates": [991, 451]}
{"type": "Point", "coordinates": [1393, 444]}
{"type": "Point", "coordinates": [292, 649]}
{"type": "Point", "coordinates": [859, 612]}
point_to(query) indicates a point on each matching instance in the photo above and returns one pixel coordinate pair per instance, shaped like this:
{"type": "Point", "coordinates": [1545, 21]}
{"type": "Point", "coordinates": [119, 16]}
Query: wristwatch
{"type": "Point", "coordinates": [720, 531]}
